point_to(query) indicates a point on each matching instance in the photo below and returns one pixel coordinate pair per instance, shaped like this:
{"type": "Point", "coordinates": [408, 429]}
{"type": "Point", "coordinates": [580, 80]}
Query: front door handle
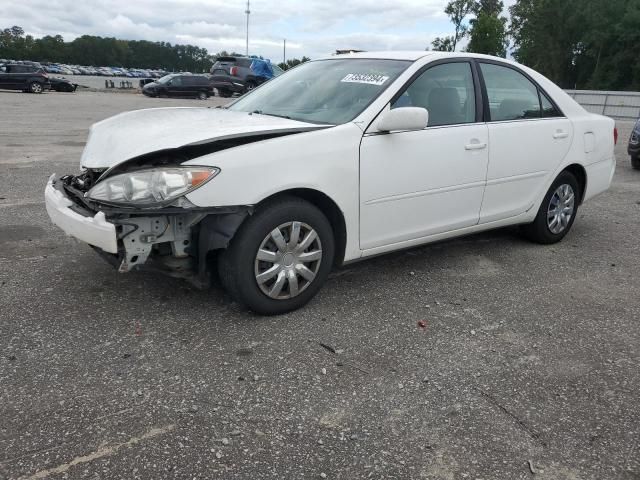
{"type": "Point", "coordinates": [560, 134]}
{"type": "Point", "coordinates": [475, 146]}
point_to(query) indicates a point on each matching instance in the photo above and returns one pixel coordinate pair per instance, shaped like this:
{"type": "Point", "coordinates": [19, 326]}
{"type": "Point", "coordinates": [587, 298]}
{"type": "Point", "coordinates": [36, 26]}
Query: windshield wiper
{"type": "Point", "coordinates": [260, 112]}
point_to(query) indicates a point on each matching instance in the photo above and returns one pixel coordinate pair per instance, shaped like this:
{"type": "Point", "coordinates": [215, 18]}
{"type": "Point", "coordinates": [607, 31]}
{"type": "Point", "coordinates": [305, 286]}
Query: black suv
{"type": "Point", "coordinates": [180, 85]}
{"type": "Point", "coordinates": [634, 146]}
{"type": "Point", "coordinates": [234, 75]}
{"type": "Point", "coordinates": [28, 78]}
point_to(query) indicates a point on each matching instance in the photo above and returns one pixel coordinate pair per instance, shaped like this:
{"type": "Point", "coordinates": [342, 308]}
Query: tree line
{"type": "Point", "coordinates": [105, 51]}
{"type": "Point", "coordinates": [584, 44]}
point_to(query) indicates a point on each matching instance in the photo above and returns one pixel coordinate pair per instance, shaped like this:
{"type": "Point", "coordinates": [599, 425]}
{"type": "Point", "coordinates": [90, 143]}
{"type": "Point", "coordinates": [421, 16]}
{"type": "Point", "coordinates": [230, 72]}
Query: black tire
{"type": "Point", "coordinates": [237, 264]}
{"type": "Point", "coordinates": [202, 95]}
{"type": "Point", "coordinates": [250, 85]}
{"type": "Point", "coordinates": [36, 87]}
{"type": "Point", "coordinates": [635, 163]}
{"type": "Point", "coordinates": [539, 230]}
{"type": "Point", "coordinates": [224, 93]}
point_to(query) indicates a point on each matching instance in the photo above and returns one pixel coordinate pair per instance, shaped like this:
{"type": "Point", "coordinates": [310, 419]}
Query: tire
{"type": "Point", "coordinates": [36, 87]}
{"type": "Point", "coordinates": [239, 268]}
{"type": "Point", "coordinates": [635, 163]}
{"type": "Point", "coordinates": [250, 85]}
{"type": "Point", "coordinates": [202, 96]}
{"type": "Point", "coordinates": [224, 93]}
{"type": "Point", "coordinates": [553, 222]}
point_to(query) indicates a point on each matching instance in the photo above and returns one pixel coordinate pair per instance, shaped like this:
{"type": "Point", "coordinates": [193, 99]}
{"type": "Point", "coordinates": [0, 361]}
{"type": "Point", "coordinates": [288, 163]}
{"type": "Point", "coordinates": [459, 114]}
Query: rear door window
{"type": "Point", "coordinates": [512, 96]}
{"type": "Point", "coordinates": [548, 108]}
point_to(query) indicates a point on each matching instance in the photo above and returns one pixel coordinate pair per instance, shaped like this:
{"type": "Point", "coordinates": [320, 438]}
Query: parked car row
{"type": "Point", "coordinates": [60, 68]}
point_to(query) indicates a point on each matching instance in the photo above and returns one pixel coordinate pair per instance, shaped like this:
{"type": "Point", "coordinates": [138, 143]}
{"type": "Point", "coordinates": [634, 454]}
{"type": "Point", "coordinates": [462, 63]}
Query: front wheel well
{"type": "Point", "coordinates": [580, 173]}
{"type": "Point", "coordinates": [330, 210]}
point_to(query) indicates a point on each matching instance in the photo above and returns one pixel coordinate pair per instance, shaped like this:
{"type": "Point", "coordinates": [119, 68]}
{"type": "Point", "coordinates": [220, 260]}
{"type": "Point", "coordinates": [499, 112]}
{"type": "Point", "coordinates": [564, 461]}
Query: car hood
{"type": "Point", "coordinates": [129, 135]}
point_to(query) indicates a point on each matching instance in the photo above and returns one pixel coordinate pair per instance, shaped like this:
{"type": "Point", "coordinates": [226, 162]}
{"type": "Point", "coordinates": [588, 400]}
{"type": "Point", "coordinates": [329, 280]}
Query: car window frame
{"type": "Point", "coordinates": [436, 63]}
{"type": "Point", "coordinates": [540, 90]}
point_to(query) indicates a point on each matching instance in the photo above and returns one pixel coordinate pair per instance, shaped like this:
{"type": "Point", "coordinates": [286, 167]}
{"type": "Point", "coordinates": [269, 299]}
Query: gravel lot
{"type": "Point", "coordinates": [528, 366]}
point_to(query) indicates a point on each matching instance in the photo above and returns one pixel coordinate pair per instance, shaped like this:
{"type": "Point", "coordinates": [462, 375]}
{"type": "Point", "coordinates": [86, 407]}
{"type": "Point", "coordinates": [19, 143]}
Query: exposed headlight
{"type": "Point", "coordinates": [153, 187]}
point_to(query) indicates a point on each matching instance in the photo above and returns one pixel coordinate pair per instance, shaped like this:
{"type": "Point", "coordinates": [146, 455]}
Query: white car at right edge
{"type": "Point", "coordinates": [334, 161]}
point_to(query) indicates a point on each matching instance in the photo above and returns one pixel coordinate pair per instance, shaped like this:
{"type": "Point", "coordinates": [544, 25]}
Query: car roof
{"type": "Point", "coordinates": [389, 55]}
{"type": "Point", "coordinates": [414, 55]}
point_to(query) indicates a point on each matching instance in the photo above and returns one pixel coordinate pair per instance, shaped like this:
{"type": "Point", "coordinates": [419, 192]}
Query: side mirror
{"type": "Point", "coordinates": [403, 118]}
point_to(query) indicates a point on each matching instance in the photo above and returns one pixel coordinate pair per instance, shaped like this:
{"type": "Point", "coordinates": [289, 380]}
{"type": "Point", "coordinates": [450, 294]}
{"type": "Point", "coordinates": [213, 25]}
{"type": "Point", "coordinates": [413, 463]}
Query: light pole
{"type": "Point", "coordinates": [284, 51]}
{"type": "Point", "coordinates": [247, 11]}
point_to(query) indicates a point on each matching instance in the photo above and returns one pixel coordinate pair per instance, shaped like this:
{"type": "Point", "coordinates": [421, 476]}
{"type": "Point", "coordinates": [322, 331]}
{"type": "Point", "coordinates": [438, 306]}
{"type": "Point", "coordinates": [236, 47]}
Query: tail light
{"type": "Point", "coordinates": [615, 135]}
{"type": "Point", "coordinates": [234, 71]}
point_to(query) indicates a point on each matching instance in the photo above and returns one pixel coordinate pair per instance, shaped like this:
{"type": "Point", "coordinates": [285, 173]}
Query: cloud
{"type": "Point", "coordinates": [311, 27]}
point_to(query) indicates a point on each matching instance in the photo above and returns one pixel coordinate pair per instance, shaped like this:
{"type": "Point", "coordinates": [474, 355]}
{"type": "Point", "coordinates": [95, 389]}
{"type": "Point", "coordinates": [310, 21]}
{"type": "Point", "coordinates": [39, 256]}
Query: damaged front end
{"type": "Point", "coordinates": [144, 220]}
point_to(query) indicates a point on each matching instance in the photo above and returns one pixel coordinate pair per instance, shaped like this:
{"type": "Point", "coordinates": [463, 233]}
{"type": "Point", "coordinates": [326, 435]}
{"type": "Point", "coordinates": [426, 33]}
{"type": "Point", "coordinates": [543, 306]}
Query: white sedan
{"type": "Point", "coordinates": [336, 160]}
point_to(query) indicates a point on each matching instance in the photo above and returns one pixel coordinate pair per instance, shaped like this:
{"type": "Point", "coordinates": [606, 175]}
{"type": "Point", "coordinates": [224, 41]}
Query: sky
{"type": "Point", "coordinates": [311, 27]}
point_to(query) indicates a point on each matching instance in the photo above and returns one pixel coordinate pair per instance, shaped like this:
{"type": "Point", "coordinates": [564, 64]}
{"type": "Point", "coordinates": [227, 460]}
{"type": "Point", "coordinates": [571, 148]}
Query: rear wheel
{"type": "Point", "coordinates": [557, 211]}
{"type": "Point", "coordinates": [250, 85]}
{"type": "Point", "coordinates": [224, 93]}
{"type": "Point", "coordinates": [35, 87]}
{"type": "Point", "coordinates": [202, 95]}
{"type": "Point", "coordinates": [635, 163]}
{"type": "Point", "coordinates": [279, 258]}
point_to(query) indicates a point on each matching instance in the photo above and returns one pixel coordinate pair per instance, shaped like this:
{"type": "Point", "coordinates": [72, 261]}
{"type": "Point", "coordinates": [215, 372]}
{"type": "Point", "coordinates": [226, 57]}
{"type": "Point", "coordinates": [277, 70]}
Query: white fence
{"type": "Point", "coordinates": [618, 105]}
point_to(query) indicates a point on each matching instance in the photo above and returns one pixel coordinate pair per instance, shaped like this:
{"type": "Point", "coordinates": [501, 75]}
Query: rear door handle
{"type": "Point", "coordinates": [558, 135]}
{"type": "Point", "coordinates": [475, 146]}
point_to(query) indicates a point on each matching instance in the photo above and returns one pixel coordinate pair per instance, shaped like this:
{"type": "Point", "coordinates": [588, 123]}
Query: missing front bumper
{"type": "Point", "coordinates": [172, 240]}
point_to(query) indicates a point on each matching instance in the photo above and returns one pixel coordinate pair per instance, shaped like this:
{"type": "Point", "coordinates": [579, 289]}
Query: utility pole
{"type": "Point", "coordinates": [247, 11]}
{"type": "Point", "coordinates": [284, 52]}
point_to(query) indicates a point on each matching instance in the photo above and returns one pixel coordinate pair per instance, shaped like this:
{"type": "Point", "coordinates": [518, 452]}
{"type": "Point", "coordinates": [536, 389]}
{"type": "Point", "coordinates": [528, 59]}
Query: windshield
{"type": "Point", "coordinates": [325, 91]}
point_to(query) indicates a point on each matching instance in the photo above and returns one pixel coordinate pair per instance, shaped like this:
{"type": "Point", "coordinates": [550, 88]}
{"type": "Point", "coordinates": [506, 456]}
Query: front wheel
{"type": "Point", "coordinates": [635, 163]}
{"type": "Point", "coordinates": [557, 211]}
{"type": "Point", "coordinates": [279, 258]}
{"type": "Point", "coordinates": [202, 95]}
{"type": "Point", "coordinates": [35, 87]}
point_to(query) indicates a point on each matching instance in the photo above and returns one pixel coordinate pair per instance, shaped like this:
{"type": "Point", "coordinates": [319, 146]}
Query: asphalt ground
{"type": "Point", "coordinates": [526, 364]}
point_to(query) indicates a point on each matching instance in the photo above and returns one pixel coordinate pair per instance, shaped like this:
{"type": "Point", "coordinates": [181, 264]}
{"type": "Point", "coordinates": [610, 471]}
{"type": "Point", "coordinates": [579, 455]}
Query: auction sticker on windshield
{"type": "Point", "coordinates": [365, 78]}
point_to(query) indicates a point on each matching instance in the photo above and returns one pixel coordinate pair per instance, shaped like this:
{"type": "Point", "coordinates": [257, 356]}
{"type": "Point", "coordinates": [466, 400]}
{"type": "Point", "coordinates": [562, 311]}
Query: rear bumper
{"type": "Point", "coordinates": [94, 230]}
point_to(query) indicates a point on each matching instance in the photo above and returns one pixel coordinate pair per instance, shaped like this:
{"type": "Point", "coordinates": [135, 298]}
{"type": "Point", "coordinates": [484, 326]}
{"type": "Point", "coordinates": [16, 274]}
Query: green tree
{"type": "Point", "coordinates": [457, 11]}
{"type": "Point", "coordinates": [488, 35]}
{"type": "Point", "coordinates": [588, 44]}
{"type": "Point", "coordinates": [293, 62]}
{"type": "Point", "coordinates": [443, 44]}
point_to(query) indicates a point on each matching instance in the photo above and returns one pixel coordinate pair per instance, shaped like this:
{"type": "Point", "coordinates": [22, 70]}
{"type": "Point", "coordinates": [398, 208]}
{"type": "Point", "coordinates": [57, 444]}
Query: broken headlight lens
{"type": "Point", "coordinates": [151, 187]}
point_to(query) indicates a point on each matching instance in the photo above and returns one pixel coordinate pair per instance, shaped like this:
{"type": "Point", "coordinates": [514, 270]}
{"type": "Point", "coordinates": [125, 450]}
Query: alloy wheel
{"type": "Point", "coordinates": [288, 260]}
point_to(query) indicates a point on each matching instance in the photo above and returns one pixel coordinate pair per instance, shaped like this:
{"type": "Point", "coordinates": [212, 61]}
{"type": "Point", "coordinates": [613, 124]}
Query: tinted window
{"type": "Point", "coordinates": [548, 110]}
{"type": "Point", "coordinates": [512, 96]}
{"type": "Point", "coordinates": [446, 91]}
{"type": "Point", "coordinates": [244, 62]}
{"type": "Point", "coordinates": [176, 81]}
{"type": "Point", "coordinates": [198, 80]}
